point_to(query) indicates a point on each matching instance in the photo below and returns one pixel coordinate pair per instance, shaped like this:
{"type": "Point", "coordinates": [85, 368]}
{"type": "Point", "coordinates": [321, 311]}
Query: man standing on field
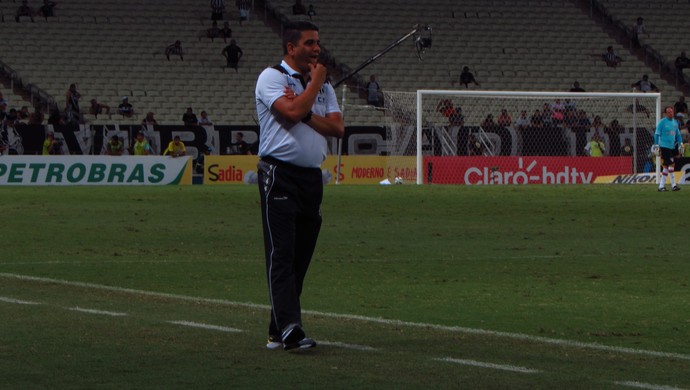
{"type": "Point", "coordinates": [666, 139]}
{"type": "Point", "coordinates": [297, 109]}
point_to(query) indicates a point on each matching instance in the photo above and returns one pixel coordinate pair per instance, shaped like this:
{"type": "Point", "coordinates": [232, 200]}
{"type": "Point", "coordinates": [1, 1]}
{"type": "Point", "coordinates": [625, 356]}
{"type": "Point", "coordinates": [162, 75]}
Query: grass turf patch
{"type": "Point", "coordinates": [583, 263]}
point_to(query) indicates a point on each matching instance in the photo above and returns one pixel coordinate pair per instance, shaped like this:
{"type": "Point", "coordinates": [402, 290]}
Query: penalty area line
{"type": "Point", "coordinates": [199, 325]}
{"type": "Point", "coordinates": [356, 347]}
{"type": "Point", "coordinates": [18, 301]}
{"type": "Point", "coordinates": [98, 312]}
{"type": "Point", "coordinates": [646, 386]}
{"type": "Point", "coordinates": [352, 317]}
{"type": "Point", "coordinates": [493, 366]}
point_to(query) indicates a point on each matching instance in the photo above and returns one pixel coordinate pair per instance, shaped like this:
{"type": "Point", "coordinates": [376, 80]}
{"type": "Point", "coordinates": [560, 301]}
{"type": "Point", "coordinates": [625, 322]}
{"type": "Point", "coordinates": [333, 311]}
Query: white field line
{"type": "Point", "coordinates": [253, 260]}
{"type": "Point", "coordinates": [356, 347]}
{"type": "Point", "coordinates": [647, 386]}
{"type": "Point", "coordinates": [18, 301]}
{"type": "Point", "coordinates": [455, 329]}
{"type": "Point", "coordinates": [94, 311]}
{"type": "Point", "coordinates": [200, 325]}
{"type": "Point", "coordinates": [503, 367]}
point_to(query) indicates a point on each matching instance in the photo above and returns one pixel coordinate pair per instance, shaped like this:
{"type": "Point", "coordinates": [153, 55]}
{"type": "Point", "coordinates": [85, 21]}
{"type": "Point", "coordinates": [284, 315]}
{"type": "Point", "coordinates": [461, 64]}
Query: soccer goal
{"type": "Point", "coordinates": [504, 137]}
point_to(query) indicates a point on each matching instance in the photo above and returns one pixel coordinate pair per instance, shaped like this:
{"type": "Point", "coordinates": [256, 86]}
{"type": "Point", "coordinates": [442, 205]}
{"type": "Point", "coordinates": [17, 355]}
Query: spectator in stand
{"type": "Point", "coordinates": [311, 12]}
{"type": "Point", "coordinates": [448, 110]}
{"type": "Point", "coordinates": [3, 103]}
{"type": "Point", "coordinates": [175, 148]}
{"type": "Point", "coordinates": [612, 59]}
{"type": "Point", "coordinates": [125, 108]}
{"type": "Point", "coordinates": [175, 49]}
{"type": "Point", "coordinates": [598, 125]}
{"type": "Point", "coordinates": [24, 10]}
{"type": "Point", "coordinates": [56, 118]}
{"type": "Point", "coordinates": [149, 120]}
{"type": "Point", "coordinates": [455, 119]}
{"type": "Point", "coordinates": [243, 7]}
{"type": "Point", "coordinates": [374, 92]}
{"type": "Point", "coordinates": [36, 117]}
{"type": "Point", "coordinates": [298, 8]}
{"type": "Point", "coordinates": [522, 121]}
{"type": "Point", "coordinates": [141, 146]}
{"type": "Point", "coordinates": [614, 131]}
{"type": "Point", "coordinates": [50, 145]}
{"type": "Point", "coordinates": [645, 85]}
{"type": "Point", "coordinates": [466, 77]}
{"type": "Point", "coordinates": [47, 9]}
{"type": "Point", "coordinates": [217, 9]}
{"type": "Point", "coordinates": [213, 32]}
{"type": "Point", "coordinates": [488, 124]}
{"type": "Point", "coordinates": [10, 119]}
{"type": "Point", "coordinates": [232, 54]}
{"type": "Point", "coordinates": [205, 120]}
{"type": "Point", "coordinates": [581, 127]}
{"type": "Point", "coordinates": [576, 87]}
{"type": "Point", "coordinates": [114, 147]}
{"type": "Point", "coordinates": [537, 119]}
{"type": "Point", "coordinates": [72, 109]}
{"type": "Point", "coordinates": [189, 118]}
{"type": "Point", "coordinates": [681, 108]}
{"type": "Point", "coordinates": [23, 114]}
{"type": "Point", "coordinates": [627, 149]}
{"type": "Point", "coordinates": [682, 62]}
{"type": "Point", "coordinates": [547, 114]}
{"type": "Point", "coordinates": [557, 112]}
{"type": "Point", "coordinates": [240, 146]}
{"type": "Point", "coordinates": [225, 32]}
{"type": "Point", "coordinates": [504, 119]}
{"type": "Point", "coordinates": [637, 30]}
{"type": "Point", "coordinates": [475, 146]}
{"type": "Point", "coordinates": [595, 147]}
{"type": "Point", "coordinates": [97, 108]}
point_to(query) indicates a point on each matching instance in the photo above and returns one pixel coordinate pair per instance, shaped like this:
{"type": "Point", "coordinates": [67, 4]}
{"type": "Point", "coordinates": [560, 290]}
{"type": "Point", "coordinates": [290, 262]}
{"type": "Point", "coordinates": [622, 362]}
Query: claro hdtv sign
{"type": "Point", "coordinates": [94, 170]}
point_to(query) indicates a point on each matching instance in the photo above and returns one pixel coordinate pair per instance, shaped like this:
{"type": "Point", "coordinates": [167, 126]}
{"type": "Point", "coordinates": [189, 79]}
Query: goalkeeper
{"type": "Point", "coordinates": [666, 137]}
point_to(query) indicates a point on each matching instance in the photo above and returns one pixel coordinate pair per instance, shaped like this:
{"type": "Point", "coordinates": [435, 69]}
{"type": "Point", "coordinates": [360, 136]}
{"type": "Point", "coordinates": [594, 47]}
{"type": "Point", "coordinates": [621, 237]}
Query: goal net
{"type": "Point", "coordinates": [502, 137]}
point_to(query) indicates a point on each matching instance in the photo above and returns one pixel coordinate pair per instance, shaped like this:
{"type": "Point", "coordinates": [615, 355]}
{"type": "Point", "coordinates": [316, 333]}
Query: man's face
{"type": "Point", "coordinates": [669, 112]}
{"type": "Point", "coordinates": [306, 51]}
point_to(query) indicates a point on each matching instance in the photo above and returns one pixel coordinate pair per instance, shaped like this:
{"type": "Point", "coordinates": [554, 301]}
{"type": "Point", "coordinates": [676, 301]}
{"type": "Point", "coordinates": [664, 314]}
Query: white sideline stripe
{"type": "Point", "coordinates": [362, 260]}
{"type": "Point", "coordinates": [200, 325]}
{"type": "Point", "coordinates": [457, 329]}
{"type": "Point", "coordinates": [18, 301]}
{"type": "Point", "coordinates": [94, 311]}
{"type": "Point", "coordinates": [647, 386]}
{"type": "Point", "coordinates": [492, 366]}
{"type": "Point", "coordinates": [338, 344]}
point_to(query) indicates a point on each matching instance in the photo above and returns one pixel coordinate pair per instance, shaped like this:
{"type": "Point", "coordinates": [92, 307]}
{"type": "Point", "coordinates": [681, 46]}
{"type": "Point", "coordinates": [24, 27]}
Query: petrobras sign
{"type": "Point", "coordinates": [94, 170]}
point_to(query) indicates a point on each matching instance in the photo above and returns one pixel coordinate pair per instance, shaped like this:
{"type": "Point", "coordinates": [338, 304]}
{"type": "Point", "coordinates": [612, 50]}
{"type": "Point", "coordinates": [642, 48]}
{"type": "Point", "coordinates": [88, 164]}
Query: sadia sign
{"type": "Point", "coordinates": [94, 170]}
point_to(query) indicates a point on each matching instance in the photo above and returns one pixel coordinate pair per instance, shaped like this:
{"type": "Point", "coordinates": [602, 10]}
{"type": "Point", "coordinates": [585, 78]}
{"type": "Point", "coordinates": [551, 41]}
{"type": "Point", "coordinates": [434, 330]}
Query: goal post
{"type": "Point", "coordinates": [453, 132]}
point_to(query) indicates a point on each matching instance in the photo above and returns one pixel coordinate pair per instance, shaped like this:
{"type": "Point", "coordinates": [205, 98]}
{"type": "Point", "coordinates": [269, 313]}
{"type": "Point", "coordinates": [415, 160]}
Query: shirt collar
{"type": "Point", "coordinates": [289, 69]}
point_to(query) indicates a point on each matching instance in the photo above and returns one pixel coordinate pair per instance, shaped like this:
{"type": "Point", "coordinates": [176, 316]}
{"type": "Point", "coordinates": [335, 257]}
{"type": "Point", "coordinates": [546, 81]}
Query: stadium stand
{"type": "Point", "coordinates": [116, 49]}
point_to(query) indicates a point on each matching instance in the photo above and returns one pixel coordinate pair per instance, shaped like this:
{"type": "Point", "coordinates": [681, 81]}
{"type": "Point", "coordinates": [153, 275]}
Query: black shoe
{"type": "Point", "coordinates": [676, 188]}
{"type": "Point", "coordinates": [294, 337]}
{"type": "Point", "coordinates": [662, 189]}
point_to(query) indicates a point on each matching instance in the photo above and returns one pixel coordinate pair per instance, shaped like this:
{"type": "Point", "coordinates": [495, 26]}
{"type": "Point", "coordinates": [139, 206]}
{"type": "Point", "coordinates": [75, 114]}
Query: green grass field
{"type": "Point", "coordinates": [579, 287]}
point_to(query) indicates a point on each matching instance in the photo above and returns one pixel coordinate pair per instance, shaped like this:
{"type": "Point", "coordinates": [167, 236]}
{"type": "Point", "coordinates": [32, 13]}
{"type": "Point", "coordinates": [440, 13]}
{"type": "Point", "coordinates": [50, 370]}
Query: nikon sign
{"type": "Point", "coordinates": [94, 170]}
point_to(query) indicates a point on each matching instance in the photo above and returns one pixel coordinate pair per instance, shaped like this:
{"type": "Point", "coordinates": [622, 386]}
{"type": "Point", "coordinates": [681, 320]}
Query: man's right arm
{"type": "Point", "coordinates": [297, 109]}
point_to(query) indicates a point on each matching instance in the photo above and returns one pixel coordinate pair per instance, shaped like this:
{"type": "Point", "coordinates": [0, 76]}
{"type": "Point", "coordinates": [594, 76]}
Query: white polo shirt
{"type": "Point", "coordinates": [295, 143]}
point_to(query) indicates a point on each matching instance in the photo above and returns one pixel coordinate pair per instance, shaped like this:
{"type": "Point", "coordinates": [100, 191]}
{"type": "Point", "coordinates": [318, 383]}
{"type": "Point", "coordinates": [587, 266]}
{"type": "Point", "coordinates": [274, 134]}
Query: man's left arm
{"type": "Point", "coordinates": [332, 123]}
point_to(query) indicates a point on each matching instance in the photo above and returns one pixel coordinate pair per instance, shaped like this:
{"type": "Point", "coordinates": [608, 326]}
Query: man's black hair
{"type": "Point", "coordinates": [293, 31]}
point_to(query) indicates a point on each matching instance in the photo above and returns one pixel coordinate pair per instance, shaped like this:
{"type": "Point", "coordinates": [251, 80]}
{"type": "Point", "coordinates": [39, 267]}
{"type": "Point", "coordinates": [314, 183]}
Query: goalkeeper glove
{"type": "Point", "coordinates": [655, 150]}
{"type": "Point", "coordinates": [681, 149]}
